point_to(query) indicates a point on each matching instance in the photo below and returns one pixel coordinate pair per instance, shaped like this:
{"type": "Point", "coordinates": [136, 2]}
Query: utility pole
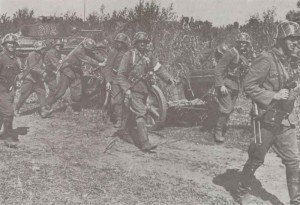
{"type": "Point", "coordinates": [84, 2]}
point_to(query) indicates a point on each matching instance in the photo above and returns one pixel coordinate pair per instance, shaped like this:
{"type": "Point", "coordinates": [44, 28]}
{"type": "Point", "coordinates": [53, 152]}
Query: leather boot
{"type": "Point", "coordinates": [244, 186]}
{"type": "Point", "coordinates": [141, 138]}
{"type": "Point", "coordinates": [220, 125]}
{"type": "Point", "coordinates": [118, 114]}
{"type": "Point", "coordinates": [293, 184]}
{"type": "Point", "coordinates": [8, 134]}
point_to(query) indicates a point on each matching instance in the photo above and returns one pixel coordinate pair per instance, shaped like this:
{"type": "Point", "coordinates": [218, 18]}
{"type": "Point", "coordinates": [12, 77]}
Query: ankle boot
{"type": "Point", "coordinates": [220, 125]}
{"type": "Point", "coordinates": [8, 134]}
{"type": "Point", "coordinates": [142, 137]}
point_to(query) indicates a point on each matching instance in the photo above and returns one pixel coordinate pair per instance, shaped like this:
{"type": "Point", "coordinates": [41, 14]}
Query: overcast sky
{"type": "Point", "coordinates": [220, 12]}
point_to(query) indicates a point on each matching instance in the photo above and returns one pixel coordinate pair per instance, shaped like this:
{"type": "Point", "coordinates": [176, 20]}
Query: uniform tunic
{"type": "Point", "coordinates": [33, 82]}
{"type": "Point", "coordinates": [9, 69]}
{"type": "Point", "coordinates": [267, 74]}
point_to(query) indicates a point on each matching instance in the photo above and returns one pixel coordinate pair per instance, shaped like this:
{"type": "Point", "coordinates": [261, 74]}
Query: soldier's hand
{"type": "Point", "coordinates": [108, 86]}
{"type": "Point", "coordinates": [224, 90]}
{"type": "Point", "coordinates": [283, 94]}
{"type": "Point", "coordinates": [128, 94]}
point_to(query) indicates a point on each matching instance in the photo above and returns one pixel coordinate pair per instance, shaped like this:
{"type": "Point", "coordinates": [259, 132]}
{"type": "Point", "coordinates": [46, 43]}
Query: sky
{"type": "Point", "coordinates": [219, 12]}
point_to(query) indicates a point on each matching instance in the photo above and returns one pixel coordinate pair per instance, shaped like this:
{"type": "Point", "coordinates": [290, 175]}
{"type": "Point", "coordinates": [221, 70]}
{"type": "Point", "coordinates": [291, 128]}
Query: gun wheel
{"type": "Point", "coordinates": [156, 109]}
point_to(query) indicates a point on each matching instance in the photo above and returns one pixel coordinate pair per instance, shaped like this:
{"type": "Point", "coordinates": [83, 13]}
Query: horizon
{"type": "Point", "coordinates": [219, 12]}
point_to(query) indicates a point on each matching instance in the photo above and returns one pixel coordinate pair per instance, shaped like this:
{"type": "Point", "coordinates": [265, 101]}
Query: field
{"type": "Point", "coordinates": [64, 160]}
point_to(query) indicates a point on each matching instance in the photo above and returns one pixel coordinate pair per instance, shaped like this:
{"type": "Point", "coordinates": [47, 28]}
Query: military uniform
{"type": "Point", "coordinates": [269, 72]}
{"type": "Point", "coordinates": [71, 76]}
{"type": "Point", "coordinates": [227, 74]}
{"type": "Point", "coordinates": [10, 67]}
{"type": "Point", "coordinates": [132, 66]}
{"type": "Point", "coordinates": [33, 82]}
{"type": "Point", "coordinates": [110, 73]}
{"type": "Point", "coordinates": [51, 60]}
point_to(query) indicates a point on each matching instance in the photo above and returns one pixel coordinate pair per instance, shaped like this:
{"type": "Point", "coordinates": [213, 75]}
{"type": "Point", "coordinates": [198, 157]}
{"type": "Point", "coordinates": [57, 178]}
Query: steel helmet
{"type": "Point", "coordinates": [222, 48]}
{"type": "Point", "coordinates": [39, 45]}
{"type": "Point", "coordinates": [89, 44]}
{"type": "Point", "coordinates": [287, 29]}
{"type": "Point", "coordinates": [10, 38]}
{"type": "Point", "coordinates": [122, 37]}
{"type": "Point", "coordinates": [140, 36]}
{"type": "Point", "coordinates": [243, 37]}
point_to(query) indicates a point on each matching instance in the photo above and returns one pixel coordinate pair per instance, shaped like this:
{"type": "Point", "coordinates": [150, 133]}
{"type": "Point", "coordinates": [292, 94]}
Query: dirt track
{"type": "Point", "coordinates": [61, 161]}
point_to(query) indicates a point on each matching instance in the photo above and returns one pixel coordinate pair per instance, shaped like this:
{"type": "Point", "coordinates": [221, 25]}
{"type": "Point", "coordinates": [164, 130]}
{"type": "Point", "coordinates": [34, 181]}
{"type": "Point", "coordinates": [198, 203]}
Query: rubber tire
{"type": "Point", "coordinates": [163, 107]}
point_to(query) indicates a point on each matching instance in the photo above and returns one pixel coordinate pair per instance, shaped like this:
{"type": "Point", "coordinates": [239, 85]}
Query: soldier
{"type": "Point", "coordinates": [71, 73]}
{"type": "Point", "coordinates": [269, 84]}
{"type": "Point", "coordinates": [52, 60]}
{"type": "Point", "coordinates": [228, 73]}
{"type": "Point", "coordinates": [10, 67]}
{"type": "Point", "coordinates": [33, 78]}
{"type": "Point", "coordinates": [137, 63]}
{"type": "Point", "coordinates": [122, 44]}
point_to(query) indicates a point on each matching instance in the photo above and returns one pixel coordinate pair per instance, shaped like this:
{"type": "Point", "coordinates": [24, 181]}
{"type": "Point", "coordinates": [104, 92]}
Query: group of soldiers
{"type": "Point", "coordinates": [268, 79]}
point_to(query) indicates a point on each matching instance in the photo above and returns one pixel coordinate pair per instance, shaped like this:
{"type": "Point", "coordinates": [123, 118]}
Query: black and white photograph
{"type": "Point", "coordinates": [149, 102]}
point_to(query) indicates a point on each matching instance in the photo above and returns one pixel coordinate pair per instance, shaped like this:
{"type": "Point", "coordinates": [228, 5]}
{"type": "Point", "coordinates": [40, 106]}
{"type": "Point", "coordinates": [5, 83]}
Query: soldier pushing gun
{"type": "Point", "coordinates": [136, 63]}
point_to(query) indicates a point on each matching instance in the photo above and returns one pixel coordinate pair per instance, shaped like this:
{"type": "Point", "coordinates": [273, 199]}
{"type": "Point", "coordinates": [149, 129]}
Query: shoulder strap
{"type": "Point", "coordinates": [277, 68]}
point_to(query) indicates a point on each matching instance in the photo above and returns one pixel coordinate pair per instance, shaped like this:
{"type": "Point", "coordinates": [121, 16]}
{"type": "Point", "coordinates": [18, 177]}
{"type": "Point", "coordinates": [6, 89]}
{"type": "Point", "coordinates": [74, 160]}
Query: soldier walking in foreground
{"type": "Point", "coordinates": [52, 60]}
{"type": "Point", "coordinates": [270, 85]}
{"type": "Point", "coordinates": [71, 74]}
{"type": "Point", "coordinates": [10, 67]}
{"type": "Point", "coordinates": [228, 73]}
{"type": "Point", "coordinates": [134, 69]}
{"type": "Point", "coordinates": [122, 44]}
{"type": "Point", "coordinates": [33, 78]}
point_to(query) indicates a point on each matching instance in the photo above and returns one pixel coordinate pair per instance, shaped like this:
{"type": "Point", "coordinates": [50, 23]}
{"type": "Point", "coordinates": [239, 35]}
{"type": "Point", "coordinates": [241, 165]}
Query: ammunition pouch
{"type": "Point", "coordinates": [273, 117]}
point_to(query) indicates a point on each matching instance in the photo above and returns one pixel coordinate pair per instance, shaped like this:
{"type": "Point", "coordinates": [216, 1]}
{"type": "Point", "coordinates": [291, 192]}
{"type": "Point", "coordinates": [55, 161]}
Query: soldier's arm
{"type": "Point", "coordinates": [83, 57]}
{"type": "Point", "coordinates": [160, 70]}
{"type": "Point", "coordinates": [35, 64]}
{"type": "Point", "coordinates": [220, 69]}
{"type": "Point", "coordinates": [107, 71]}
{"type": "Point", "coordinates": [123, 72]}
{"type": "Point", "coordinates": [53, 59]}
{"type": "Point", "coordinates": [254, 80]}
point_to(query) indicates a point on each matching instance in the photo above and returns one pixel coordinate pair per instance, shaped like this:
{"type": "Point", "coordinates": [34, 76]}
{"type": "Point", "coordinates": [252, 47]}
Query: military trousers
{"type": "Point", "coordinates": [227, 102]}
{"type": "Point", "coordinates": [6, 103]}
{"type": "Point", "coordinates": [27, 88]}
{"type": "Point", "coordinates": [74, 83]}
{"type": "Point", "coordinates": [134, 111]}
{"type": "Point", "coordinates": [117, 100]}
{"type": "Point", "coordinates": [283, 139]}
{"type": "Point", "coordinates": [51, 83]}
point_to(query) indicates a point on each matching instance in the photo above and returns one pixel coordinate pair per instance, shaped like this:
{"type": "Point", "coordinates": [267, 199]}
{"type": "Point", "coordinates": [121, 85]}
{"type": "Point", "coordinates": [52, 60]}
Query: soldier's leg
{"type": "Point", "coordinates": [138, 107]}
{"type": "Point", "coordinates": [225, 108]}
{"type": "Point", "coordinates": [63, 84]}
{"type": "Point", "coordinates": [256, 156]}
{"type": "Point", "coordinates": [117, 99]}
{"type": "Point", "coordinates": [25, 91]}
{"type": "Point", "coordinates": [52, 86]}
{"type": "Point", "coordinates": [40, 90]}
{"type": "Point", "coordinates": [76, 93]}
{"type": "Point", "coordinates": [286, 147]}
{"type": "Point", "coordinates": [7, 114]}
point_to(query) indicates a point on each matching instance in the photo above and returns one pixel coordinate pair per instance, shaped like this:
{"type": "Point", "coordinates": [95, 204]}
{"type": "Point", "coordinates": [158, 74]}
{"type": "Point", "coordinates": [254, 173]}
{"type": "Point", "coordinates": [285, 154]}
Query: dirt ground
{"type": "Point", "coordinates": [62, 160]}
